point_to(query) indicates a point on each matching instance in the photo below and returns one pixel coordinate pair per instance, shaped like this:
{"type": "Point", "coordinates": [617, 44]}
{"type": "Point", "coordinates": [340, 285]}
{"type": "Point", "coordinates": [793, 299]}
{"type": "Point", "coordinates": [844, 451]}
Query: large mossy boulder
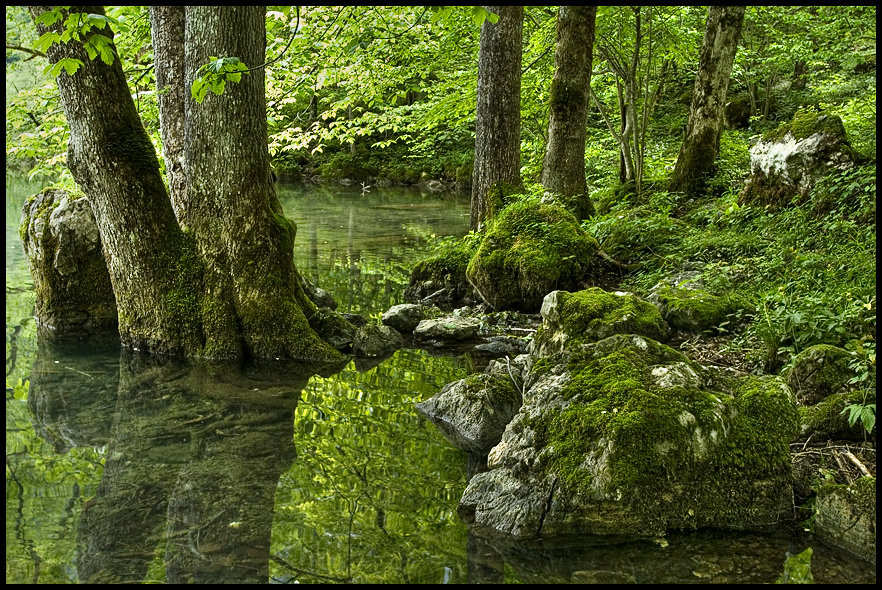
{"type": "Point", "coordinates": [787, 162]}
{"type": "Point", "coordinates": [845, 516]}
{"type": "Point", "coordinates": [530, 249]}
{"type": "Point", "coordinates": [627, 437]}
{"type": "Point", "coordinates": [819, 371]}
{"type": "Point", "coordinates": [692, 309]}
{"type": "Point", "coordinates": [74, 296]}
{"type": "Point", "coordinates": [570, 319]}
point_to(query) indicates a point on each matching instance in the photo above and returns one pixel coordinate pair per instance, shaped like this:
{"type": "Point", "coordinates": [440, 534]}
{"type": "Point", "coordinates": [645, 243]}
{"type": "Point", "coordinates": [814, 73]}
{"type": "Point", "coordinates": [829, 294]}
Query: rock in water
{"type": "Point", "coordinates": [63, 246]}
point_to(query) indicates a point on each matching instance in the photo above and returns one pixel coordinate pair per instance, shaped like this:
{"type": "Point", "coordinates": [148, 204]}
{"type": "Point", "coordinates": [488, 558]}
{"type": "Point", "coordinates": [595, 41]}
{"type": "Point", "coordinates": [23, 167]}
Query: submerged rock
{"type": "Point", "coordinates": [622, 437]}
{"type": "Point", "coordinates": [530, 249]}
{"type": "Point", "coordinates": [788, 162]}
{"type": "Point", "coordinates": [334, 328]}
{"type": "Point", "coordinates": [74, 296]}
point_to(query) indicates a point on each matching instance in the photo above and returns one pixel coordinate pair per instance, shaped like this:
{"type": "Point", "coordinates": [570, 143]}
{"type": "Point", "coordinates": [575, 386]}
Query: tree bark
{"type": "Point", "coordinates": [113, 161]}
{"type": "Point", "coordinates": [253, 294]}
{"type": "Point", "coordinates": [706, 114]}
{"type": "Point", "coordinates": [167, 35]}
{"type": "Point", "coordinates": [563, 170]}
{"type": "Point", "coordinates": [222, 284]}
{"type": "Point", "coordinates": [497, 167]}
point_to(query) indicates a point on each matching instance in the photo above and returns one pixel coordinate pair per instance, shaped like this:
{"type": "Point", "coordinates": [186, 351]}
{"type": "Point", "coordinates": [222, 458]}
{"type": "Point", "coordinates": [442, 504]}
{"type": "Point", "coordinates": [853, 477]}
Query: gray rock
{"type": "Point", "coordinates": [473, 412]}
{"type": "Point", "coordinates": [63, 246]}
{"type": "Point", "coordinates": [448, 329]}
{"type": "Point", "coordinates": [435, 186]}
{"type": "Point", "coordinates": [845, 516]}
{"type": "Point", "coordinates": [790, 161]}
{"type": "Point", "coordinates": [372, 340]}
{"type": "Point", "coordinates": [503, 345]}
{"type": "Point", "coordinates": [404, 317]}
{"type": "Point", "coordinates": [319, 296]}
{"type": "Point", "coordinates": [576, 457]}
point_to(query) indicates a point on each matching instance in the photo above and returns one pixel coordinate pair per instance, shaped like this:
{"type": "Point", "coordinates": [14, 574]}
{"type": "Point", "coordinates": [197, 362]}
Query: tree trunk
{"type": "Point", "coordinates": [498, 113]}
{"type": "Point", "coordinates": [225, 286]}
{"type": "Point", "coordinates": [702, 141]}
{"type": "Point", "coordinates": [564, 168]}
{"type": "Point", "coordinates": [167, 35]}
{"type": "Point", "coordinates": [253, 295]}
{"type": "Point", "coordinates": [113, 161]}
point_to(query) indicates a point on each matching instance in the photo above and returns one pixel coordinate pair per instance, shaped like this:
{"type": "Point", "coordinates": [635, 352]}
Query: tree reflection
{"type": "Point", "coordinates": [193, 458]}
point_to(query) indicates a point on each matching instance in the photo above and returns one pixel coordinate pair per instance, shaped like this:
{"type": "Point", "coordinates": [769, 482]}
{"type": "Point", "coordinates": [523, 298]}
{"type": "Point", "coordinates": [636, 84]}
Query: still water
{"type": "Point", "coordinates": [123, 469]}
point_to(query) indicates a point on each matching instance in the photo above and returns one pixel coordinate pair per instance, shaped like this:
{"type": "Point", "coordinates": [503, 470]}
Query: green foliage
{"type": "Point", "coordinates": [214, 76]}
{"type": "Point", "coordinates": [797, 569]}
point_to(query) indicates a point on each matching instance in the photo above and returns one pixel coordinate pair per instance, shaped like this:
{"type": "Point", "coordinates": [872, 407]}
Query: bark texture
{"type": "Point", "coordinates": [563, 170]}
{"type": "Point", "coordinates": [498, 114]}
{"type": "Point", "coordinates": [167, 35]}
{"type": "Point", "coordinates": [113, 161]}
{"type": "Point", "coordinates": [706, 113]}
{"type": "Point", "coordinates": [253, 295]}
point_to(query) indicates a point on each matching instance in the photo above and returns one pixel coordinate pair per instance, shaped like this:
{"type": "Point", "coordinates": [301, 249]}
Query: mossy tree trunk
{"type": "Point", "coordinates": [217, 280]}
{"type": "Point", "coordinates": [253, 292]}
{"type": "Point", "coordinates": [706, 113]}
{"type": "Point", "coordinates": [563, 170]}
{"type": "Point", "coordinates": [497, 167]}
{"type": "Point", "coordinates": [113, 161]}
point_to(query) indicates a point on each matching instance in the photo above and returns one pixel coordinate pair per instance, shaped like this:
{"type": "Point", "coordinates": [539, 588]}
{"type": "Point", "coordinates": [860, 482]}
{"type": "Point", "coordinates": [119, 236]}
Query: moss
{"type": "Point", "coordinates": [696, 309]}
{"type": "Point", "coordinates": [500, 195]}
{"type": "Point", "coordinates": [530, 249]}
{"type": "Point", "coordinates": [637, 235]}
{"type": "Point", "coordinates": [825, 419]}
{"type": "Point", "coordinates": [674, 457]}
{"type": "Point", "coordinates": [594, 314]}
{"type": "Point", "coordinates": [797, 569]}
{"type": "Point", "coordinates": [806, 123]}
{"type": "Point", "coordinates": [445, 267]}
{"type": "Point", "coordinates": [287, 230]}
{"type": "Point", "coordinates": [819, 371]}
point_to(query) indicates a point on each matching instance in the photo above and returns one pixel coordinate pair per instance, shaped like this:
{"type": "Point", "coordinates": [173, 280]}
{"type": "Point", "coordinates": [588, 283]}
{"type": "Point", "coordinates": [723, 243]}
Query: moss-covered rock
{"type": "Point", "coordinates": [570, 319]}
{"type": "Point", "coordinates": [74, 296]}
{"type": "Point", "coordinates": [693, 309]}
{"type": "Point", "coordinates": [635, 235]}
{"type": "Point", "coordinates": [845, 516]}
{"type": "Point", "coordinates": [797, 569]}
{"type": "Point", "coordinates": [606, 444]}
{"type": "Point", "coordinates": [530, 249]}
{"type": "Point", "coordinates": [788, 161]}
{"type": "Point", "coordinates": [440, 278]}
{"type": "Point", "coordinates": [826, 421]}
{"type": "Point", "coordinates": [579, 205]}
{"type": "Point", "coordinates": [818, 371]}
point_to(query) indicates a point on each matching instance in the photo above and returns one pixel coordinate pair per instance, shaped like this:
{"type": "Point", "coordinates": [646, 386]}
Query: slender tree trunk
{"type": "Point", "coordinates": [498, 114]}
{"type": "Point", "coordinates": [167, 35]}
{"type": "Point", "coordinates": [563, 170]}
{"type": "Point", "coordinates": [706, 114]}
{"type": "Point", "coordinates": [113, 161]}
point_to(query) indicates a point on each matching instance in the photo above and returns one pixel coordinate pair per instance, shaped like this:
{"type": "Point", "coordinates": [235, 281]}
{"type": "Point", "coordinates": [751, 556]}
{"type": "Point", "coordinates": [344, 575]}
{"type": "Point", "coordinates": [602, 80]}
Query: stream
{"type": "Point", "coordinates": [121, 468]}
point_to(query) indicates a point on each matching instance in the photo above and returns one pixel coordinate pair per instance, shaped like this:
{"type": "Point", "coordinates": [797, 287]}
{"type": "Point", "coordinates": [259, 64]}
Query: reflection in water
{"type": "Point", "coordinates": [194, 455]}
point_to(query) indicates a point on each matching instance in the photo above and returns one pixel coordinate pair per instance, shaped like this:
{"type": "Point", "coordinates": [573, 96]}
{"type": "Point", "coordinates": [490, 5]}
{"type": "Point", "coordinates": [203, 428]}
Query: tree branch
{"type": "Point", "coordinates": [33, 52]}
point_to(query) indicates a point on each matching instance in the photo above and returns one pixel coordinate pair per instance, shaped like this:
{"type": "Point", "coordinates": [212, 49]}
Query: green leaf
{"type": "Point", "coordinates": [49, 18]}
{"type": "Point", "coordinates": [46, 40]}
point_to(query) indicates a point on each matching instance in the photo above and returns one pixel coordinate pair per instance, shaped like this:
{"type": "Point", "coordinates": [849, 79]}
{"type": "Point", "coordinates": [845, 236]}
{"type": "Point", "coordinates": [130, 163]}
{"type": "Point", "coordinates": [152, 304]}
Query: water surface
{"type": "Point", "coordinates": [121, 468]}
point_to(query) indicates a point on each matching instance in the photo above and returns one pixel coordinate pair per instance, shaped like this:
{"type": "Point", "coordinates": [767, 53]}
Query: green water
{"type": "Point", "coordinates": [123, 469]}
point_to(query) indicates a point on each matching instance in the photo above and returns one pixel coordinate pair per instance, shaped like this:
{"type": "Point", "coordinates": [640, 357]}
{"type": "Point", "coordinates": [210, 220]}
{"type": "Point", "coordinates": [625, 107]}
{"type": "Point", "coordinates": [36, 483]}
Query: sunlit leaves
{"type": "Point", "coordinates": [214, 76]}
